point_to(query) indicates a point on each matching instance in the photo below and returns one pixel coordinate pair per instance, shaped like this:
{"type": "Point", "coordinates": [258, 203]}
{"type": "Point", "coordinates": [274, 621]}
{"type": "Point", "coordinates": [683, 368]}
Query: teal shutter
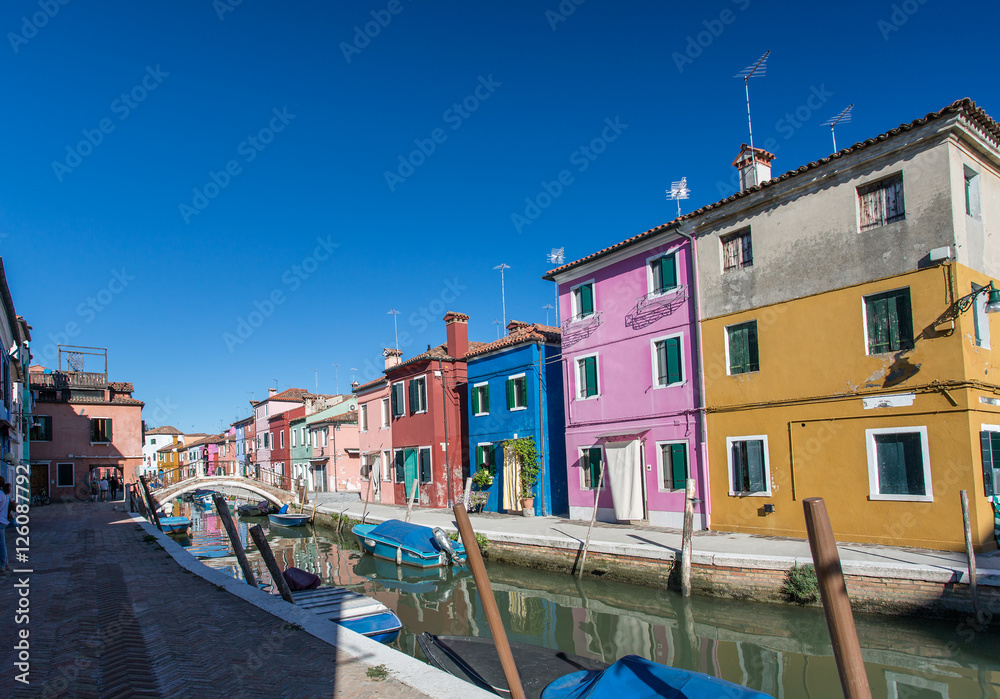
{"type": "Point", "coordinates": [753, 359]}
{"type": "Point", "coordinates": [397, 399]}
{"type": "Point", "coordinates": [586, 299]}
{"type": "Point", "coordinates": [475, 400]}
{"type": "Point", "coordinates": [399, 465]}
{"type": "Point", "coordinates": [425, 465]}
{"type": "Point", "coordinates": [510, 394]}
{"type": "Point", "coordinates": [986, 443]}
{"type": "Point", "coordinates": [486, 399]}
{"type": "Point", "coordinates": [755, 465]}
{"type": "Point", "coordinates": [904, 320]}
{"type": "Point", "coordinates": [678, 466]}
{"type": "Point", "coordinates": [109, 436]}
{"type": "Point", "coordinates": [876, 308]}
{"type": "Point", "coordinates": [590, 376]}
{"type": "Point", "coordinates": [412, 386]}
{"type": "Point", "coordinates": [672, 350]}
{"type": "Point", "coordinates": [891, 465]}
{"type": "Point", "coordinates": [522, 385]}
{"type": "Point", "coordinates": [737, 349]}
{"type": "Point", "coordinates": [594, 464]}
{"type": "Point", "coordinates": [668, 273]}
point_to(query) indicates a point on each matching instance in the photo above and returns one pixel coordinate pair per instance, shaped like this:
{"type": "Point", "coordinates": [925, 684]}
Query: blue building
{"type": "Point", "coordinates": [516, 390]}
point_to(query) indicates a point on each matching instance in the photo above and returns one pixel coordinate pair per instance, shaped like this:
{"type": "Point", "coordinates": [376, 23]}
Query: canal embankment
{"type": "Point", "coordinates": [114, 607]}
{"type": "Point", "coordinates": [880, 579]}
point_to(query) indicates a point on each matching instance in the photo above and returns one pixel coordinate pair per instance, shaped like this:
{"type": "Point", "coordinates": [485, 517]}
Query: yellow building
{"type": "Point", "coordinates": [846, 341]}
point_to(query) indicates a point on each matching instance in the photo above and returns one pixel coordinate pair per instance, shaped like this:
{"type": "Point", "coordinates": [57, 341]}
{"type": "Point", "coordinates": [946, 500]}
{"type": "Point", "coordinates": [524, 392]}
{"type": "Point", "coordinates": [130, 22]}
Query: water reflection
{"type": "Point", "coordinates": [784, 651]}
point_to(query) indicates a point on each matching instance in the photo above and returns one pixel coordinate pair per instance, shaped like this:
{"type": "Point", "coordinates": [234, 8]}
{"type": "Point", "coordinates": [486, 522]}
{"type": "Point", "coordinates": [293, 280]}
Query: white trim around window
{"type": "Point", "coordinates": [515, 377]}
{"type": "Point", "coordinates": [874, 488]}
{"type": "Point", "coordinates": [767, 465]}
{"type": "Point", "coordinates": [476, 387]}
{"type": "Point", "coordinates": [423, 379]}
{"type": "Point", "coordinates": [574, 305]}
{"type": "Point", "coordinates": [652, 353]}
{"type": "Point", "coordinates": [363, 417]}
{"type": "Point", "coordinates": [576, 376]}
{"type": "Point", "coordinates": [661, 483]}
{"type": "Point", "coordinates": [579, 463]}
{"type": "Point", "coordinates": [651, 283]}
{"type": "Point", "coordinates": [386, 411]}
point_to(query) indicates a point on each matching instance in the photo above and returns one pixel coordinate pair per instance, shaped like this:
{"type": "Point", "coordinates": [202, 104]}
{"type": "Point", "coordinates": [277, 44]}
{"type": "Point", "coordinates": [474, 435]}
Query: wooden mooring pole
{"type": "Point", "coordinates": [257, 534]}
{"type": "Point", "coordinates": [836, 603]}
{"type": "Point", "coordinates": [971, 554]}
{"type": "Point", "coordinates": [686, 544]}
{"type": "Point", "coordinates": [222, 507]}
{"type": "Point", "coordinates": [413, 497]}
{"type": "Point", "coordinates": [152, 503]}
{"type": "Point", "coordinates": [593, 516]}
{"type": "Point", "coordinates": [368, 495]}
{"type": "Point", "coordinates": [489, 602]}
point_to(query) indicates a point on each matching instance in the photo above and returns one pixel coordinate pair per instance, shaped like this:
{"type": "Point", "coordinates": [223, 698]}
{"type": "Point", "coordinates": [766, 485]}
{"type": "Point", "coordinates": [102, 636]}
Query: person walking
{"type": "Point", "coordinates": [104, 488]}
{"type": "Point", "coordinates": [94, 487]}
{"type": "Point", "coordinates": [113, 486]}
{"type": "Point", "coordinates": [4, 503]}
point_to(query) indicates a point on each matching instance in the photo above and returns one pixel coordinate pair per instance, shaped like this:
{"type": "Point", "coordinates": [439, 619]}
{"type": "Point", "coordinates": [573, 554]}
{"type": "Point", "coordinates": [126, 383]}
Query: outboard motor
{"type": "Point", "coordinates": [444, 543]}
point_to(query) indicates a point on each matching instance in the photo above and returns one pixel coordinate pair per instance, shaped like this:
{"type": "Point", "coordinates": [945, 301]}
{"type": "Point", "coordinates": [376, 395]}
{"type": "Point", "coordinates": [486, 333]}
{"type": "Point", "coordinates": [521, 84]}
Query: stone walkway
{"type": "Point", "coordinates": [111, 613]}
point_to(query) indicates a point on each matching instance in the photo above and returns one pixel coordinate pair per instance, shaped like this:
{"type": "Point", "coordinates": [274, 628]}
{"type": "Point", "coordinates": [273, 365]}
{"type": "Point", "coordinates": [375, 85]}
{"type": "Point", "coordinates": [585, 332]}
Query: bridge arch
{"type": "Point", "coordinates": [269, 493]}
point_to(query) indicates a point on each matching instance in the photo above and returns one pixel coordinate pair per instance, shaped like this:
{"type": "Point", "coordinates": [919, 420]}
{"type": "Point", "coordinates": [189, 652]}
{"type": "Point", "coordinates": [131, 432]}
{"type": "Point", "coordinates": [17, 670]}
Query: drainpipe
{"type": "Point", "coordinates": [541, 434]}
{"type": "Point", "coordinates": [447, 463]}
{"type": "Point", "coordinates": [696, 352]}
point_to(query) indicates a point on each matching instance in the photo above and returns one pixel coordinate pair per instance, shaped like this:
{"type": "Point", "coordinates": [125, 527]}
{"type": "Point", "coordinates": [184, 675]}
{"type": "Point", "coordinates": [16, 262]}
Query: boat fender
{"type": "Point", "coordinates": [444, 543]}
{"type": "Point", "coordinates": [399, 555]}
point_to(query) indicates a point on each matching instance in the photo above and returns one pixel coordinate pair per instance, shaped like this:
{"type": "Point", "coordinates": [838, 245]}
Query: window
{"type": "Point", "coordinates": [517, 393]}
{"type": "Point", "coordinates": [586, 377]}
{"type": "Point", "coordinates": [100, 429]}
{"type": "Point", "coordinates": [363, 417]}
{"type": "Point", "coordinates": [582, 300]}
{"type": "Point", "coordinates": [281, 436]}
{"type": "Point", "coordinates": [418, 395]}
{"type": "Point", "coordinates": [667, 365]}
{"type": "Point", "coordinates": [267, 440]}
{"type": "Point", "coordinates": [989, 440]}
{"type": "Point", "coordinates": [325, 436]}
{"type": "Point", "coordinates": [425, 464]}
{"type": "Point", "coordinates": [881, 203]}
{"type": "Point", "coordinates": [385, 412]}
{"type": "Point", "coordinates": [972, 203]}
{"type": "Point", "coordinates": [481, 399]}
{"type": "Point", "coordinates": [397, 399]}
{"type": "Point", "coordinates": [673, 465]}
{"type": "Point", "coordinates": [294, 436]}
{"type": "Point", "coordinates": [386, 471]}
{"type": "Point", "coordinates": [366, 466]}
{"type": "Point", "coordinates": [749, 473]}
{"type": "Point", "coordinates": [889, 323]}
{"type": "Point", "coordinates": [742, 348]}
{"type": "Point", "coordinates": [43, 431]}
{"type": "Point", "coordinates": [64, 475]}
{"type": "Point", "coordinates": [737, 251]}
{"type": "Point", "coordinates": [398, 462]}
{"type": "Point", "coordinates": [662, 274]}
{"type": "Point", "coordinates": [898, 464]}
{"type": "Point", "coordinates": [152, 441]}
{"type": "Point", "coordinates": [486, 457]}
{"type": "Point", "coordinates": [258, 441]}
{"type": "Point", "coordinates": [590, 467]}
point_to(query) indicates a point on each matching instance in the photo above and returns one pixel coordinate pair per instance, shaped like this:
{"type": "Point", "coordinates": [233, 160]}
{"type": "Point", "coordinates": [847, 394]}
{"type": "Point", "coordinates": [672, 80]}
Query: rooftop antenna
{"type": "Point", "coordinates": [843, 118]}
{"type": "Point", "coordinates": [497, 323]}
{"type": "Point", "coordinates": [678, 191]}
{"type": "Point", "coordinates": [393, 312]}
{"type": "Point", "coordinates": [503, 294]}
{"type": "Point", "coordinates": [557, 257]}
{"type": "Point", "coordinates": [755, 70]}
{"type": "Point", "coordinates": [336, 368]}
{"type": "Point", "coordinates": [275, 384]}
{"type": "Point", "coordinates": [353, 372]}
{"type": "Point", "coordinates": [548, 307]}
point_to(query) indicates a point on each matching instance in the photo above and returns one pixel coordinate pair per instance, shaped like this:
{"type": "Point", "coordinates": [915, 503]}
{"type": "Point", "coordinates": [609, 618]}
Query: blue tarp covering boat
{"type": "Point", "coordinates": [412, 544]}
{"type": "Point", "coordinates": [638, 678]}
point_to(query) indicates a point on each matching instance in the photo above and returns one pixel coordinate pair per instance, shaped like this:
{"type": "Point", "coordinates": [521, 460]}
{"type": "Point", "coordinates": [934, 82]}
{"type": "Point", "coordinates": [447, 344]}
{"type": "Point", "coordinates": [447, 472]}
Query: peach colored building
{"type": "Point", "coordinates": [375, 434]}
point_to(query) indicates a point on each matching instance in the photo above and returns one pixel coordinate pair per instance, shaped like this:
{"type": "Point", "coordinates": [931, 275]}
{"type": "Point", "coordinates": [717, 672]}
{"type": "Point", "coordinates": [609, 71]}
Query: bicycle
{"type": "Point", "coordinates": [40, 499]}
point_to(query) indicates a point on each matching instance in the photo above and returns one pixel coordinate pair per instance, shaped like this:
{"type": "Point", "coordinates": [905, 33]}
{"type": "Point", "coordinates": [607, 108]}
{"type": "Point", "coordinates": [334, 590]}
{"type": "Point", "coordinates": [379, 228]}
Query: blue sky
{"type": "Point", "coordinates": [172, 168]}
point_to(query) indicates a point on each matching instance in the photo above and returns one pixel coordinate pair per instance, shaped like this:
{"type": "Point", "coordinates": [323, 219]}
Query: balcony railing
{"type": "Point", "coordinates": [69, 379]}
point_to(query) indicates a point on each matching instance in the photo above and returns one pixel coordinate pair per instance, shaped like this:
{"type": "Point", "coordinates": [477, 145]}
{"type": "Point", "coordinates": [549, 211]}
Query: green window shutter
{"type": "Point", "coordinates": [486, 398]}
{"type": "Point", "coordinates": [425, 465]}
{"type": "Point", "coordinates": [891, 464]}
{"type": "Point", "coordinates": [678, 466]}
{"type": "Point", "coordinates": [737, 350]}
{"type": "Point", "coordinates": [986, 444]}
{"type": "Point", "coordinates": [590, 374]}
{"type": "Point", "coordinates": [904, 319]}
{"type": "Point", "coordinates": [522, 384]}
{"type": "Point", "coordinates": [480, 457]}
{"type": "Point", "coordinates": [673, 360]}
{"type": "Point", "coordinates": [755, 465]}
{"type": "Point", "coordinates": [668, 273]}
{"type": "Point", "coordinates": [876, 308]}
{"type": "Point", "coordinates": [412, 386]}
{"type": "Point", "coordinates": [399, 466]}
{"type": "Point", "coordinates": [586, 299]}
{"type": "Point", "coordinates": [510, 393]}
{"type": "Point", "coordinates": [753, 358]}
{"type": "Point", "coordinates": [109, 437]}
{"type": "Point", "coordinates": [475, 400]}
{"type": "Point", "coordinates": [594, 462]}
{"type": "Point", "coordinates": [397, 398]}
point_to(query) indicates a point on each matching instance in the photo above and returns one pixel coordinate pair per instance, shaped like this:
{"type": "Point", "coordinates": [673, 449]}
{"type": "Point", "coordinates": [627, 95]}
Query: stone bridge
{"type": "Point", "coordinates": [266, 491]}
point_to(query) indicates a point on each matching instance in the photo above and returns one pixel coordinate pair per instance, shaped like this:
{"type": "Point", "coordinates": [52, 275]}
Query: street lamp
{"type": "Point", "coordinates": [992, 300]}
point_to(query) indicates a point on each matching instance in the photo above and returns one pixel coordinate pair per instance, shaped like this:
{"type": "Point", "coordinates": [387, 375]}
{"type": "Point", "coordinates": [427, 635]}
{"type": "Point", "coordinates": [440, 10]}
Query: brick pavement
{"type": "Point", "coordinates": [112, 614]}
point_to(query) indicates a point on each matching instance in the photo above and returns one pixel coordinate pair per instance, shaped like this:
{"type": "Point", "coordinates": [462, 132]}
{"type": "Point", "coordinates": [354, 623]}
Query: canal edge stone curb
{"type": "Point", "coordinates": [405, 669]}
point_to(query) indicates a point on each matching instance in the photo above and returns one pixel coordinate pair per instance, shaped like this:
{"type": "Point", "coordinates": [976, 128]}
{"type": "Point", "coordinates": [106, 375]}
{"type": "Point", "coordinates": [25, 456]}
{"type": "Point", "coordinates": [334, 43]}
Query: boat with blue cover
{"type": "Point", "coordinates": [175, 525]}
{"type": "Point", "coordinates": [281, 517]}
{"type": "Point", "coordinates": [409, 544]}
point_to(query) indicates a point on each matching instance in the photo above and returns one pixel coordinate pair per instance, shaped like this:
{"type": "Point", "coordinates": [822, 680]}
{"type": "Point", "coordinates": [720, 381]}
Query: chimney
{"type": "Point", "coordinates": [392, 356]}
{"type": "Point", "coordinates": [272, 392]}
{"type": "Point", "coordinates": [754, 166]}
{"type": "Point", "coordinates": [516, 326]}
{"type": "Point", "coordinates": [457, 328]}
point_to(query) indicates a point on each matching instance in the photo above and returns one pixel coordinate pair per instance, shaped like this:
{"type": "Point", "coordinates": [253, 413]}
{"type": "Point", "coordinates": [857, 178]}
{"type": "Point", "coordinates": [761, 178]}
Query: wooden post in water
{"type": "Point", "coordinates": [686, 544]}
{"type": "Point", "coordinates": [971, 554]}
{"type": "Point", "coordinates": [152, 503]}
{"type": "Point", "coordinates": [593, 516]}
{"type": "Point", "coordinates": [222, 507]}
{"type": "Point", "coordinates": [368, 495]}
{"type": "Point", "coordinates": [836, 603]}
{"type": "Point", "coordinates": [312, 517]}
{"type": "Point", "coordinates": [413, 497]}
{"type": "Point", "coordinates": [475, 561]}
{"type": "Point", "coordinates": [257, 534]}
{"type": "Point", "coordinates": [468, 493]}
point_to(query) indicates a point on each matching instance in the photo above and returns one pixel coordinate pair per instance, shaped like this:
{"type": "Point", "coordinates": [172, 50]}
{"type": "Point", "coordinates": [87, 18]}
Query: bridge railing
{"type": "Point", "coordinates": [201, 469]}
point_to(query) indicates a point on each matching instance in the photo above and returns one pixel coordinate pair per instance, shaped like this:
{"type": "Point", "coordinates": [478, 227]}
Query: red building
{"type": "Point", "coordinates": [427, 402]}
{"type": "Point", "coordinates": [278, 426]}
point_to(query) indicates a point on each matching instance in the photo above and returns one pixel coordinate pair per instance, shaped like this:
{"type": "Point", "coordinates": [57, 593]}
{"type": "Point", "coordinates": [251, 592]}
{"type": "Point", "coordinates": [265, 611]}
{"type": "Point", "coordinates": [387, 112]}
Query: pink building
{"type": "Point", "coordinates": [275, 404]}
{"type": "Point", "coordinates": [631, 381]}
{"type": "Point", "coordinates": [335, 447]}
{"type": "Point", "coordinates": [375, 434]}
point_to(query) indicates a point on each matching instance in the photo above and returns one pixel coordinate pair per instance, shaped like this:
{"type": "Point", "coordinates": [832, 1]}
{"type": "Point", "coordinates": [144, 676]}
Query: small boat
{"type": "Point", "coordinates": [349, 609]}
{"type": "Point", "coordinates": [286, 520]}
{"type": "Point", "coordinates": [550, 674]}
{"type": "Point", "coordinates": [261, 509]}
{"type": "Point", "coordinates": [409, 544]}
{"type": "Point", "coordinates": [175, 525]}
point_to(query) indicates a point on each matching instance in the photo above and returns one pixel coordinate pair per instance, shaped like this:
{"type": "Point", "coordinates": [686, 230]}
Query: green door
{"type": "Point", "coordinates": [409, 469]}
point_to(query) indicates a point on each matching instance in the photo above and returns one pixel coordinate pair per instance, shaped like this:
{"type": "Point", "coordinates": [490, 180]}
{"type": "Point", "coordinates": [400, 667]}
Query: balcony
{"type": "Point", "coordinates": [68, 379]}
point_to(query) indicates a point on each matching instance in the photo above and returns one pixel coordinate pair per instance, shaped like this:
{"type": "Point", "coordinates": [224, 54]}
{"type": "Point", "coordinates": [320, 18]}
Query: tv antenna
{"type": "Point", "coordinates": [393, 312]}
{"type": "Point", "coordinates": [548, 307]}
{"type": "Point", "coordinates": [503, 294]}
{"type": "Point", "coordinates": [678, 191]}
{"type": "Point", "coordinates": [336, 369]}
{"type": "Point", "coordinates": [843, 118]}
{"type": "Point", "coordinates": [497, 323]}
{"type": "Point", "coordinates": [755, 70]}
{"type": "Point", "coordinates": [556, 257]}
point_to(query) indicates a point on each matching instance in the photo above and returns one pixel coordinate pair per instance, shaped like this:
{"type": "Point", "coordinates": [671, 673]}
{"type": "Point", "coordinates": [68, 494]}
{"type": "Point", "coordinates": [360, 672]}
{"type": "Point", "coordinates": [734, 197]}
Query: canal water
{"type": "Point", "coordinates": [782, 650]}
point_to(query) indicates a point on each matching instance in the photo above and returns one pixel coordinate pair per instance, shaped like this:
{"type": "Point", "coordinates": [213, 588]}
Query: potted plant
{"type": "Point", "coordinates": [526, 454]}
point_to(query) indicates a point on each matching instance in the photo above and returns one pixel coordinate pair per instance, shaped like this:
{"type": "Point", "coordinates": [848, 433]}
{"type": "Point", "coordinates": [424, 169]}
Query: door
{"type": "Point", "coordinates": [625, 478]}
{"type": "Point", "coordinates": [511, 481]}
{"type": "Point", "coordinates": [319, 476]}
{"type": "Point", "coordinates": [40, 479]}
{"type": "Point", "coordinates": [409, 470]}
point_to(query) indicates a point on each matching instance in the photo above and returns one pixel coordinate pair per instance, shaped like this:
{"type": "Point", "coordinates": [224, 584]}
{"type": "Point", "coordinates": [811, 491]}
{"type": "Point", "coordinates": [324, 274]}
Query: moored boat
{"type": "Point", "coordinates": [259, 510]}
{"type": "Point", "coordinates": [175, 525]}
{"type": "Point", "coordinates": [349, 609]}
{"type": "Point", "coordinates": [287, 520]}
{"type": "Point", "coordinates": [409, 544]}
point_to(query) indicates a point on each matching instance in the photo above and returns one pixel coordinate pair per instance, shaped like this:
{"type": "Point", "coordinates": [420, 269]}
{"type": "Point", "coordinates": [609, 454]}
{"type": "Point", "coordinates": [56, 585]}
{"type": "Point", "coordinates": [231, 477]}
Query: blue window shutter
{"type": "Point", "coordinates": [986, 444]}
{"type": "Point", "coordinates": [755, 465]}
{"type": "Point", "coordinates": [673, 357]}
{"type": "Point", "coordinates": [891, 465]}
